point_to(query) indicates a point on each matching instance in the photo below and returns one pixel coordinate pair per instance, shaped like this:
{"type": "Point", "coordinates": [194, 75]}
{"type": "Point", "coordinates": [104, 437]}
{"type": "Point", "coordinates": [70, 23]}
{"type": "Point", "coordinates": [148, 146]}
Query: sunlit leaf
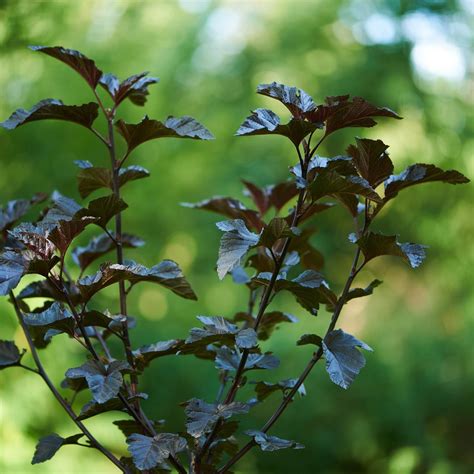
{"type": "Point", "coordinates": [266, 122]}
{"type": "Point", "coordinates": [134, 87]}
{"type": "Point", "coordinates": [202, 416]}
{"type": "Point", "coordinates": [309, 288]}
{"type": "Point", "coordinates": [12, 269]}
{"type": "Point", "coordinates": [272, 443]}
{"type": "Point", "coordinates": [343, 359]}
{"type": "Point", "coordinates": [55, 317]}
{"type": "Point", "coordinates": [104, 380]}
{"type": "Point", "coordinates": [235, 243]}
{"type": "Point", "coordinates": [148, 452]}
{"type": "Point", "coordinates": [167, 273]}
{"type": "Point", "coordinates": [229, 359]}
{"type": "Point", "coordinates": [296, 100]}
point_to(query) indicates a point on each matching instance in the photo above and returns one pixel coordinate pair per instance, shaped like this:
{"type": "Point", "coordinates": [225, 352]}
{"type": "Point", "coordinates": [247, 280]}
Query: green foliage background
{"type": "Point", "coordinates": [410, 410]}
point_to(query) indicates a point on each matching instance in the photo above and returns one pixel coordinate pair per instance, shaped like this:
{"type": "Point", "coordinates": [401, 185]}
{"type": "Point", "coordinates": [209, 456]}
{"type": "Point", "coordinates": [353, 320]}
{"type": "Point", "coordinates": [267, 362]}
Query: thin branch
{"type": "Point", "coordinates": [55, 392]}
{"type": "Point", "coordinates": [29, 368]}
{"type": "Point", "coordinates": [313, 151]}
{"type": "Point", "coordinates": [98, 135]}
{"type": "Point", "coordinates": [355, 269]}
{"type": "Point", "coordinates": [119, 249]}
{"type": "Point", "coordinates": [265, 301]}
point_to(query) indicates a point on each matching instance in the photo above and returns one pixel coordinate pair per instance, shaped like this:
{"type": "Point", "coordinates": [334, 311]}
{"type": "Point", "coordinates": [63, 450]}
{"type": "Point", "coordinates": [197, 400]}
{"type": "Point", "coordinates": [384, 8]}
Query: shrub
{"type": "Point", "coordinates": [266, 249]}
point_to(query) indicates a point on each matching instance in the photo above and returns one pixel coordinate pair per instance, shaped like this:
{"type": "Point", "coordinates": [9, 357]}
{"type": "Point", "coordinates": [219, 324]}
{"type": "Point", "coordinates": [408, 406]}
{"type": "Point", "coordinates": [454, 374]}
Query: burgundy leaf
{"type": "Point", "coordinates": [74, 59]}
{"type": "Point", "coordinates": [52, 109]}
{"type": "Point", "coordinates": [148, 129]}
{"type": "Point", "coordinates": [296, 100]}
{"type": "Point", "coordinates": [371, 160]}
{"type": "Point", "coordinates": [418, 174]}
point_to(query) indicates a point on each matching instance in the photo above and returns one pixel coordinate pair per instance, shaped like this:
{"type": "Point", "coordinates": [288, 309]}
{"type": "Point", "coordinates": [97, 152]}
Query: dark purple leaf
{"type": "Point", "coordinates": [275, 230]}
{"type": "Point", "coordinates": [341, 112]}
{"type": "Point", "coordinates": [343, 359]}
{"type": "Point", "coordinates": [268, 323]}
{"type": "Point", "coordinates": [274, 195]}
{"type": "Point", "coordinates": [48, 446]}
{"type": "Point", "coordinates": [15, 210]}
{"type": "Point", "coordinates": [148, 129]}
{"type": "Point", "coordinates": [134, 87]}
{"type": "Point", "coordinates": [92, 178]}
{"type": "Point", "coordinates": [296, 100]}
{"type": "Point", "coordinates": [309, 288]}
{"type": "Point", "coordinates": [12, 268]}
{"type": "Point", "coordinates": [266, 122]}
{"type": "Point", "coordinates": [229, 359]}
{"type": "Point", "coordinates": [306, 339]}
{"type": "Point", "coordinates": [167, 273]}
{"type": "Point", "coordinates": [103, 209]}
{"type": "Point", "coordinates": [10, 355]}
{"type": "Point", "coordinates": [374, 245]}
{"type": "Point", "coordinates": [235, 243]}
{"type": "Point", "coordinates": [229, 207]}
{"type": "Point", "coordinates": [361, 292]}
{"type": "Point", "coordinates": [129, 427]}
{"type": "Point", "coordinates": [202, 416]}
{"type": "Point", "coordinates": [52, 109]}
{"type": "Point", "coordinates": [74, 59]}
{"type": "Point", "coordinates": [272, 443]}
{"type": "Point", "coordinates": [148, 452]}
{"type": "Point", "coordinates": [93, 408]}
{"type": "Point", "coordinates": [331, 183]}
{"type": "Point", "coordinates": [265, 389]}
{"type": "Point", "coordinates": [420, 173]}
{"type": "Point", "coordinates": [104, 380]}
{"type": "Point", "coordinates": [371, 160]}
{"type": "Point", "coordinates": [55, 317]}
{"type": "Point", "coordinates": [66, 231]}
{"type": "Point", "coordinates": [132, 173]}
{"type": "Point", "coordinates": [99, 246]}
{"type": "Point", "coordinates": [145, 354]}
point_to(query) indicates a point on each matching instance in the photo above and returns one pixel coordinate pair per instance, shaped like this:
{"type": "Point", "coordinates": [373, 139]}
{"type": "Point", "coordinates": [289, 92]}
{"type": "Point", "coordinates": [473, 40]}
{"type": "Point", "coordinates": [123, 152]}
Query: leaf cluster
{"type": "Point", "coordinates": [267, 246]}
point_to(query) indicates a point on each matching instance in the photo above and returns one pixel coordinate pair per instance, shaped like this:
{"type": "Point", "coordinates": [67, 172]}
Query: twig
{"type": "Point", "coordinates": [57, 395]}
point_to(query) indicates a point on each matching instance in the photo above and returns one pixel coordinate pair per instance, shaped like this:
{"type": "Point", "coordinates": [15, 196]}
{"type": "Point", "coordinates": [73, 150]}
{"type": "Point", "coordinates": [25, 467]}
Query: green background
{"type": "Point", "coordinates": [411, 408]}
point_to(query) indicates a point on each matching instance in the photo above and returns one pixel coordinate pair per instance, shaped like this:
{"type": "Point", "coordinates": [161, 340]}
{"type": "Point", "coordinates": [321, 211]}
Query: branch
{"type": "Point", "coordinates": [57, 395]}
{"type": "Point", "coordinates": [355, 269]}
